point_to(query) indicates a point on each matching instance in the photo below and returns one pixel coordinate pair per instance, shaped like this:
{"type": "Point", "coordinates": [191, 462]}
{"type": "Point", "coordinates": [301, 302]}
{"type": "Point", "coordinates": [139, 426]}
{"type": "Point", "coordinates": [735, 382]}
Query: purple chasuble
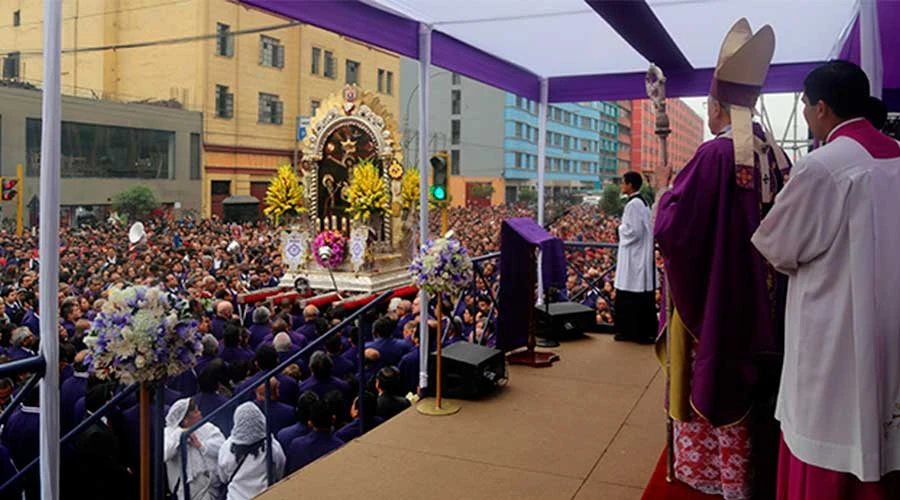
{"type": "Point", "coordinates": [719, 282]}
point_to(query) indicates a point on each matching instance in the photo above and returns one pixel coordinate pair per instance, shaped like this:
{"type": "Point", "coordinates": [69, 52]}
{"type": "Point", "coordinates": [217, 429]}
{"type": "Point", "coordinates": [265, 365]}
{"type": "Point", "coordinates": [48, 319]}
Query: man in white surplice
{"type": "Point", "coordinates": [835, 231]}
{"type": "Point", "coordinates": [635, 317]}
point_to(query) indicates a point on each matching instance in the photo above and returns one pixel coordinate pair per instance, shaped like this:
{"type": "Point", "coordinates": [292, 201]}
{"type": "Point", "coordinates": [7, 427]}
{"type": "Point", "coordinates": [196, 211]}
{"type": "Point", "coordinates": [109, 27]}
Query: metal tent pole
{"type": "Point", "coordinates": [49, 250]}
{"type": "Point", "coordinates": [424, 94]}
{"type": "Point", "coordinates": [542, 150]}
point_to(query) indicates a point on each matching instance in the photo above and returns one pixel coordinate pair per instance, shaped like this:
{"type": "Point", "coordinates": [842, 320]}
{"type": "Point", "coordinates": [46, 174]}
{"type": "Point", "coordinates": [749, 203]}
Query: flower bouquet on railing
{"type": "Point", "coordinates": [138, 336]}
{"type": "Point", "coordinates": [442, 266]}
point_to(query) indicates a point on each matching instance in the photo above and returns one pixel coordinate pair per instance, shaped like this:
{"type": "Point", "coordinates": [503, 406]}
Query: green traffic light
{"type": "Point", "coordinates": [438, 193]}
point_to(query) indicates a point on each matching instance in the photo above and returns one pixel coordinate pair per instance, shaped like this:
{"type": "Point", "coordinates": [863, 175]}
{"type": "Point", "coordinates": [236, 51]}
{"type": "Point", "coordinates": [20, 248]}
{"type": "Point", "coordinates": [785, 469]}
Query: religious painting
{"type": "Point", "coordinates": [344, 148]}
{"type": "Point", "coordinates": [348, 127]}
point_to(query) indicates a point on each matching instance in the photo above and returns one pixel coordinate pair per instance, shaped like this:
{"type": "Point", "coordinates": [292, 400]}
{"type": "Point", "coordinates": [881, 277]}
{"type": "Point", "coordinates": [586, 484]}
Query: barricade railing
{"type": "Point", "coordinates": [239, 396]}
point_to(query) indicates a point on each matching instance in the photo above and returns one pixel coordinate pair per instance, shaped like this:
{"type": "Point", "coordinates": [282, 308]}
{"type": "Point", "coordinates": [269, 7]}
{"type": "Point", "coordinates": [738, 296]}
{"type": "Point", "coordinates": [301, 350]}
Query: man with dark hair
{"type": "Point", "coordinates": [352, 430]}
{"type": "Point", "coordinates": [834, 232]}
{"type": "Point", "coordinates": [322, 381]}
{"type": "Point", "coordinates": [318, 443]}
{"type": "Point", "coordinates": [301, 428]}
{"type": "Point", "coordinates": [342, 366]}
{"type": "Point", "coordinates": [635, 277]}
{"type": "Point", "coordinates": [389, 388]}
{"type": "Point", "coordinates": [390, 349]}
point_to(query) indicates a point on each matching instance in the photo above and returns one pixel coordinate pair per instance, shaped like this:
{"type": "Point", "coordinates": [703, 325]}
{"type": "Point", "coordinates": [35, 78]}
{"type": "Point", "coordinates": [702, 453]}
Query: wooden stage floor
{"type": "Point", "coordinates": [590, 427]}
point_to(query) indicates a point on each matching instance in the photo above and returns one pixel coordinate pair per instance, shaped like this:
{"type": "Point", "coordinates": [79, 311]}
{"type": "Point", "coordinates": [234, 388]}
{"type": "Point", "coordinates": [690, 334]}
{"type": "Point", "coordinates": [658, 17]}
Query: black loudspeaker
{"type": "Point", "coordinates": [470, 371]}
{"type": "Point", "coordinates": [563, 320]}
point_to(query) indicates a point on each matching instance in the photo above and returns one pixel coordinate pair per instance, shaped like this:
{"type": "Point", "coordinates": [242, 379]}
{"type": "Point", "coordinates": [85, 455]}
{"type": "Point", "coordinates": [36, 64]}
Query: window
{"type": "Point", "coordinates": [518, 162]}
{"type": "Point", "coordinates": [316, 60]}
{"type": "Point", "coordinates": [454, 131]}
{"type": "Point", "coordinates": [271, 52]}
{"type": "Point", "coordinates": [17, 18]}
{"type": "Point", "coordinates": [380, 80]}
{"type": "Point", "coordinates": [352, 72]}
{"type": "Point", "coordinates": [314, 106]}
{"type": "Point", "coordinates": [455, 79]}
{"type": "Point", "coordinates": [454, 162]}
{"type": "Point", "coordinates": [103, 151]}
{"type": "Point", "coordinates": [518, 129]}
{"type": "Point", "coordinates": [271, 110]}
{"type": "Point", "coordinates": [224, 40]}
{"type": "Point", "coordinates": [195, 157]}
{"type": "Point", "coordinates": [224, 102]}
{"type": "Point", "coordinates": [389, 83]}
{"type": "Point", "coordinates": [220, 188]}
{"type": "Point", "coordinates": [11, 66]}
{"type": "Point", "coordinates": [330, 70]}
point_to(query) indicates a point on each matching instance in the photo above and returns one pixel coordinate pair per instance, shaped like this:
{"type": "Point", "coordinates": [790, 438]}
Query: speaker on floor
{"type": "Point", "coordinates": [471, 371]}
{"type": "Point", "coordinates": [563, 320]}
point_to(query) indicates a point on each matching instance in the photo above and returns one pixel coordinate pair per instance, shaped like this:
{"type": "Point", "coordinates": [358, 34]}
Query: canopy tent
{"type": "Point", "coordinates": [546, 50]}
{"type": "Point", "coordinates": [600, 49]}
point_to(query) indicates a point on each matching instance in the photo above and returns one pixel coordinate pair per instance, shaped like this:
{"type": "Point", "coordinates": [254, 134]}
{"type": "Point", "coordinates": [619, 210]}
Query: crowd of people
{"type": "Point", "coordinates": [315, 407]}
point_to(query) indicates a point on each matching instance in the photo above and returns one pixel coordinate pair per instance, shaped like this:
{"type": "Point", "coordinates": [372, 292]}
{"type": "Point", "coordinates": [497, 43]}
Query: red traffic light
{"type": "Point", "coordinates": [9, 189]}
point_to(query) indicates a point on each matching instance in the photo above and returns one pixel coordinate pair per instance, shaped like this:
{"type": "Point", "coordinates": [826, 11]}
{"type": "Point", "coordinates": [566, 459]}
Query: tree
{"type": "Point", "coordinates": [611, 200]}
{"type": "Point", "coordinates": [648, 193]}
{"type": "Point", "coordinates": [137, 202]}
{"type": "Point", "coordinates": [527, 196]}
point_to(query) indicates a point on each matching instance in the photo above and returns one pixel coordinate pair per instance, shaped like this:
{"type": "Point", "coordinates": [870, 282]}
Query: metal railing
{"type": "Point", "coordinates": [239, 396]}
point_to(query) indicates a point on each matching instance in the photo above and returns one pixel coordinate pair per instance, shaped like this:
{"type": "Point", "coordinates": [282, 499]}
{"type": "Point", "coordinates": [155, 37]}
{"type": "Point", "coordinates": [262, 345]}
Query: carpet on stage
{"type": "Point", "coordinates": [659, 489]}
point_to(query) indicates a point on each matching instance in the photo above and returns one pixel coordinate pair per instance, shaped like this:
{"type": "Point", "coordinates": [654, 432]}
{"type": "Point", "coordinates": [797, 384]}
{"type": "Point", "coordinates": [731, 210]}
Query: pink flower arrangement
{"type": "Point", "coordinates": [329, 248]}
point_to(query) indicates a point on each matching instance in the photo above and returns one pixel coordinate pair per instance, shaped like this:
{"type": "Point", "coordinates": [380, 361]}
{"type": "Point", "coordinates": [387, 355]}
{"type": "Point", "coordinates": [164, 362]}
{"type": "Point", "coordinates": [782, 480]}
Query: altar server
{"type": "Point", "coordinates": [834, 232]}
{"type": "Point", "coordinates": [635, 276]}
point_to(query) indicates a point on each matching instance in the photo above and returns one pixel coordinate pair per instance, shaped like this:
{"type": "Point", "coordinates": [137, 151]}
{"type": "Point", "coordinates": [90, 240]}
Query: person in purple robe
{"type": "Point", "coordinates": [7, 471]}
{"type": "Point", "coordinates": [390, 349]}
{"type": "Point", "coordinates": [71, 390]}
{"type": "Point", "coordinates": [301, 428]}
{"type": "Point", "coordinates": [318, 443]}
{"type": "Point", "coordinates": [404, 316]}
{"type": "Point", "coordinates": [231, 351]}
{"type": "Point", "coordinates": [21, 435]}
{"type": "Point", "coordinates": [322, 381]}
{"type": "Point", "coordinates": [23, 344]}
{"type": "Point", "coordinates": [30, 318]}
{"type": "Point", "coordinates": [391, 400]}
{"type": "Point", "coordinates": [281, 326]}
{"type": "Point", "coordinates": [224, 314]}
{"type": "Point", "coordinates": [409, 363]}
{"type": "Point", "coordinates": [352, 429]}
{"type": "Point", "coordinates": [210, 351]}
{"type": "Point", "coordinates": [725, 296]}
{"type": "Point", "coordinates": [341, 366]}
{"type": "Point", "coordinates": [210, 382]}
{"type": "Point", "coordinates": [69, 313]}
{"type": "Point", "coordinates": [261, 327]}
{"type": "Point", "coordinates": [280, 415]}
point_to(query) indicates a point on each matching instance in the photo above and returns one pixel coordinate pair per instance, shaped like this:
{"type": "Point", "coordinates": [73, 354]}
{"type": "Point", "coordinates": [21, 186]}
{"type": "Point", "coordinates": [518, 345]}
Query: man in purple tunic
{"type": "Point", "coordinates": [724, 295]}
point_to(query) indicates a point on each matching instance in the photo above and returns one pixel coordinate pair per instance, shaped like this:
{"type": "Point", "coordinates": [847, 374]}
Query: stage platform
{"type": "Point", "coordinates": [590, 427]}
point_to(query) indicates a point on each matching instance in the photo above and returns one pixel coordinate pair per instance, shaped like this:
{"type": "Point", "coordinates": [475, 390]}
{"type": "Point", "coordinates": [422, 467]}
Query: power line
{"type": "Point", "coordinates": [98, 14]}
{"type": "Point", "coordinates": [157, 43]}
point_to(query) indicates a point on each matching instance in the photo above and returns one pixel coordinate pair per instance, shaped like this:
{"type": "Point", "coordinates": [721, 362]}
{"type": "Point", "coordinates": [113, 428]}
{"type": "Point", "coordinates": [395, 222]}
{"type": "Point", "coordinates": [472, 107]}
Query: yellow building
{"type": "Point", "coordinates": [252, 74]}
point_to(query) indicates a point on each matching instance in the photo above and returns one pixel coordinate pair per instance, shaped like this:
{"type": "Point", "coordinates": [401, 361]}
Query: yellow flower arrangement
{"type": "Point", "coordinates": [409, 189]}
{"type": "Point", "coordinates": [285, 195]}
{"type": "Point", "coordinates": [368, 192]}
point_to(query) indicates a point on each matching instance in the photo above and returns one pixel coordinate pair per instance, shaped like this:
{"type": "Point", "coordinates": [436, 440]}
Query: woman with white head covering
{"type": "Point", "coordinates": [203, 450]}
{"type": "Point", "coordinates": [242, 459]}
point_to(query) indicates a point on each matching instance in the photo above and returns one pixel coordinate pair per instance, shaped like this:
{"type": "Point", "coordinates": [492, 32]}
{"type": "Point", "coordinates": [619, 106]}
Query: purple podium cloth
{"type": "Point", "coordinates": [519, 238]}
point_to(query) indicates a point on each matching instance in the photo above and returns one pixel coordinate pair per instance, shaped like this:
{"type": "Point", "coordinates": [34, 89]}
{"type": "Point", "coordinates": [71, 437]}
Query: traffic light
{"type": "Point", "coordinates": [439, 179]}
{"type": "Point", "coordinates": [9, 189]}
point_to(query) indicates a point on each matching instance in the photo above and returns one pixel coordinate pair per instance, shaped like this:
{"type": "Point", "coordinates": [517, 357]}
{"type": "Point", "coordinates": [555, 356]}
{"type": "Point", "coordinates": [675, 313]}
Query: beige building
{"type": "Point", "coordinates": [250, 73]}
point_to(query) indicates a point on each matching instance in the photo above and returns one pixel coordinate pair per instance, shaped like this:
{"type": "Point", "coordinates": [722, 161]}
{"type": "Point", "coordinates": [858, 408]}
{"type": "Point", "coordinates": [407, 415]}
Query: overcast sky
{"type": "Point", "coordinates": [779, 107]}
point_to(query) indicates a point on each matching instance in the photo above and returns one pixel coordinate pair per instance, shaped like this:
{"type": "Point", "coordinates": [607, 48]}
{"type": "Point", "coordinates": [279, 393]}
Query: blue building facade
{"type": "Point", "coordinates": [581, 149]}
